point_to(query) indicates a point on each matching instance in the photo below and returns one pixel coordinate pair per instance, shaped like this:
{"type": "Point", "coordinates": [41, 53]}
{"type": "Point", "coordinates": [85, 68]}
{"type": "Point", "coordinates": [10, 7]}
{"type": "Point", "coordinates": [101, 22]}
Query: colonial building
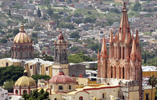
{"type": "Point", "coordinates": [22, 55]}
{"type": "Point", "coordinates": [123, 64]}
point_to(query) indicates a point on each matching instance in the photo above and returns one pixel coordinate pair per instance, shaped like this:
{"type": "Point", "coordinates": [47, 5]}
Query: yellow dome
{"type": "Point", "coordinates": [25, 81]}
{"type": "Point", "coordinates": [22, 37]}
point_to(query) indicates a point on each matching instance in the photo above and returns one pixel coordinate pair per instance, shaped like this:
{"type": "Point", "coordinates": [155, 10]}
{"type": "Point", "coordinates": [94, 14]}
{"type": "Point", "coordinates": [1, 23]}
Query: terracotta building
{"type": "Point", "coordinates": [123, 64]}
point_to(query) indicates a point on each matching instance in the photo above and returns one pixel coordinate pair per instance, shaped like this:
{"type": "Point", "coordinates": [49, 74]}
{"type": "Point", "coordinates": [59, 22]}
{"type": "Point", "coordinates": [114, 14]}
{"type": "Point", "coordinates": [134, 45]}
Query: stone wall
{"type": "Point", "coordinates": [77, 69]}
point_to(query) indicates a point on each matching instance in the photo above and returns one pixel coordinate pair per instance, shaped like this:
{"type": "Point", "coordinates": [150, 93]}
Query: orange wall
{"type": "Point", "coordinates": [150, 73]}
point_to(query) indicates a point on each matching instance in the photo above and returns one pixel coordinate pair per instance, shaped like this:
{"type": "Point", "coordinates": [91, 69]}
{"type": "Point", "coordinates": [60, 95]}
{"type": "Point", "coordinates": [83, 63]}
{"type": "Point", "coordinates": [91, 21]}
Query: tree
{"type": "Point", "coordinates": [152, 81]}
{"type": "Point", "coordinates": [77, 58]}
{"type": "Point", "coordinates": [10, 73]}
{"type": "Point", "coordinates": [89, 20]}
{"type": "Point", "coordinates": [38, 13]}
{"type": "Point", "coordinates": [75, 35]}
{"type": "Point", "coordinates": [55, 16]}
{"type": "Point", "coordinates": [46, 57]}
{"type": "Point", "coordinates": [15, 31]}
{"type": "Point", "coordinates": [9, 13]}
{"type": "Point", "coordinates": [3, 40]}
{"type": "Point", "coordinates": [115, 10]}
{"type": "Point", "coordinates": [77, 21]}
{"type": "Point", "coordinates": [34, 35]}
{"type": "Point", "coordinates": [137, 7]}
{"type": "Point", "coordinates": [36, 77]}
{"type": "Point", "coordinates": [49, 11]}
{"type": "Point", "coordinates": [9, 86]}
{"type": "Point", "coordinates": [74, 48]}
{"type": "Point", "coordinates": [35, 95]}
{"type": "Point", "coordinates": [145, 58]}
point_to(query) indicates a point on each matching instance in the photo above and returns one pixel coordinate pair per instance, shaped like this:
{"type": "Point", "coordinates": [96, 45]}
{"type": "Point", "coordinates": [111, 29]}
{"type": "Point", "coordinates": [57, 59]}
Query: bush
{"type": "Point", "coordinates": [36, 77]}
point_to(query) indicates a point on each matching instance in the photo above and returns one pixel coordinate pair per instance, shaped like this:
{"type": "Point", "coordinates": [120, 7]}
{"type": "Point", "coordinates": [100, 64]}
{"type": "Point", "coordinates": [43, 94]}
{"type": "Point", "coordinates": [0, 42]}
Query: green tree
{"type": "Point", "coordinates": [38, 13]}
{"type": "Point", "coordinates": [77, 58]}
{"type": "Point", "coordinates": [15, 31]}
{"type": "Point", "coordinates": [145, 58]}
{"type": "Point", "coordinates": [49, 11]}
{"type": "Point", "coordinates": [4, 40]}
{"type": "Point", "coordinates": [137, 7]}
{"type": "Point", "coordinates": [36, 77]}
{"type": "Point", "coordinates": [152, 81]}
{"type": "Point", "coordinates": [55, 16]}
{"type": "Point", "coordinates": [77, 21]}
{"type": "Point", "coordinates": [34, 35]}
{"type": "Point", "coordinates": [10, 73]}
{"type": "Point", "coordinates": [75, 35]}
{"type": "Point", "coordinates": [74, 48]}
{"type": "Point", "coordinates": [9, 13]}
{"type": "Point", "coordinates": [9, 86]}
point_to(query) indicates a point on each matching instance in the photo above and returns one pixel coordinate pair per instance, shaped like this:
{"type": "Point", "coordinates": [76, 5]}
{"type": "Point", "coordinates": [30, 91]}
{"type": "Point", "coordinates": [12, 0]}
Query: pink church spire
{"type": "Point", "coordinates": [98, 56]}
{"type": "Point", "coordinates": [133, 51]}
{"type": "Point", "coordinates": [104, 49]}
{"type": "Point", "coordinates": [137, 37]}
{"type": "Point", "coordinates": [124, 25]}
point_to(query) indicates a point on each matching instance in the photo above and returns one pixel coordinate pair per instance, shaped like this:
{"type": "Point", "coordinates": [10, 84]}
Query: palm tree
{"type": "Point", "coordinates": [152, 81]}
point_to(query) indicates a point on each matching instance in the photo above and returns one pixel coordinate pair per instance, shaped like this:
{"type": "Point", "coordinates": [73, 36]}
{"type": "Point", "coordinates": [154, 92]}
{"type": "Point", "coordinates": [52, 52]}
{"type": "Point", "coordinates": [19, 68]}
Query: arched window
{"type": "Point", "coordinates": [26, 54]}
{"type": "Point", "coordinates": [123, 73]}
{"type": "Point", "coordinates": [24, 91]}
{"type": "Point", "coordinates": [80, 98]}
{"type": "Point", "coordinates": [69, 87]}
{"type": "Point", "coordinates": [55, 99]}
{"type": "Point", "coordinates": [60, 87]}
{"type": "Point", "coordinates": [16, 92]}
{"type": "Point", "coordinates": [51, 86]}
{"type": "Point", "coordinates": [111, 72]}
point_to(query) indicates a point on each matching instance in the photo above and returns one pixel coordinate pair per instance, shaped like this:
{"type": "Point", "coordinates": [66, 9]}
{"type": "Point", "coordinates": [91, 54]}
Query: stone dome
{"type": "Point", "coordinates": [61, 78]}
{"type": "Point", "coordinates": [25, 81]}
{"type": "Point", "coordinates": [22, 37]}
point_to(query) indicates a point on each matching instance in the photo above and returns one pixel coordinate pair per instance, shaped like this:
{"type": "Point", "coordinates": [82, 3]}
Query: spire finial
{"type": "Point", "coordinates": [22, 27]}
{"type": "Point", "coordinates": [124, 6]}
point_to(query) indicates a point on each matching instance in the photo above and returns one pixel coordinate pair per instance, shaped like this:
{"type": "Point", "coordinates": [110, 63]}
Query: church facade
{"type": "Point", "coordinates": [123, 64]}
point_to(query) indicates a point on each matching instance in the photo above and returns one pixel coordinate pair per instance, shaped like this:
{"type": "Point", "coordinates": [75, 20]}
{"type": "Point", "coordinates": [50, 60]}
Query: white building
{"type": "Point", "coordinates": [3, 94]}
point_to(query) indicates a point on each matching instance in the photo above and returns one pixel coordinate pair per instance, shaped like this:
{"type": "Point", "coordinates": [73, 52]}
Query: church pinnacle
{"type": "Point", "coordinates": [104, 49]}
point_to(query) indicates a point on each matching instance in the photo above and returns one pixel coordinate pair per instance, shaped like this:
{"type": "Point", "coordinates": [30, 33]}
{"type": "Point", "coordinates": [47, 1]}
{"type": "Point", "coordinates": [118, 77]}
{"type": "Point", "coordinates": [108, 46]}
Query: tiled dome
{"type": "Point", "coordinates": [61, 78]}
{"type": "Point", "coordinates": [22, 37]}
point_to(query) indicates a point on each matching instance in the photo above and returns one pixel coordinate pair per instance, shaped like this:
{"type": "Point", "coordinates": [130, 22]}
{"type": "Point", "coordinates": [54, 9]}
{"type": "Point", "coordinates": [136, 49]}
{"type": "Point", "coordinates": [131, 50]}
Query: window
{"type": "Point", "coordinates": [69, 87]}
{"type": "Point", "coordinates": [16, 92]}
{"type": "Point", "coordinates": [80, 98]}
{"type": "Point", "coordinates": [21, 46]}
{"type": "Point", "coordinates": [26, 54]}
{"type": "Point", "coordinates": [55, 99]}
{"type": "Point", "coordinates": [24, 91]}
{"type": "Point", "coordinates": [147, 96]}
{"type": "Point", "coordinates": [16, 54]}
{"type": "Point", "coordinates": [25, 46]}
{"type": "Point", "coordinates": [30, 67]}
{"type": "Point", "coordinates": [46, 68]}
{"type": "Point", "coordinates": [60, 87]}
{"type": "Point", "coordinates": [6, 64]}
{"type": "Point", "coordinates": [51, 86]}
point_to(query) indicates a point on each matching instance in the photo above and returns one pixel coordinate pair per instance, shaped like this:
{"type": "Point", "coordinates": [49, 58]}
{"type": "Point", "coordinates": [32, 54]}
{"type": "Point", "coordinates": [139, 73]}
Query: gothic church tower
{"type": "Point", "coordinates": [124, 61]}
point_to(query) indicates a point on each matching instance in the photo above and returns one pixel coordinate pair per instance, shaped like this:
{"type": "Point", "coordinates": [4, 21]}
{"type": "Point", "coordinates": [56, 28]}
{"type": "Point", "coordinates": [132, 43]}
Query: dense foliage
{"type": "Point", "coordinates": [75, 35]}
{"type": "Point", "coordinates": [35, 95]}
{"type": "Point", "coordinates": [74, 48]}
{"type": "Point", "coordinates": [36, 77]}
{"type": "Point", "coordinates": [10, 73]}
{"type": "Point", "coordinates": [137, 7]}
{"type": "Point", "coordinates": [77, 58]}
{"type": "Point", "coordinates": [9, 86]}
